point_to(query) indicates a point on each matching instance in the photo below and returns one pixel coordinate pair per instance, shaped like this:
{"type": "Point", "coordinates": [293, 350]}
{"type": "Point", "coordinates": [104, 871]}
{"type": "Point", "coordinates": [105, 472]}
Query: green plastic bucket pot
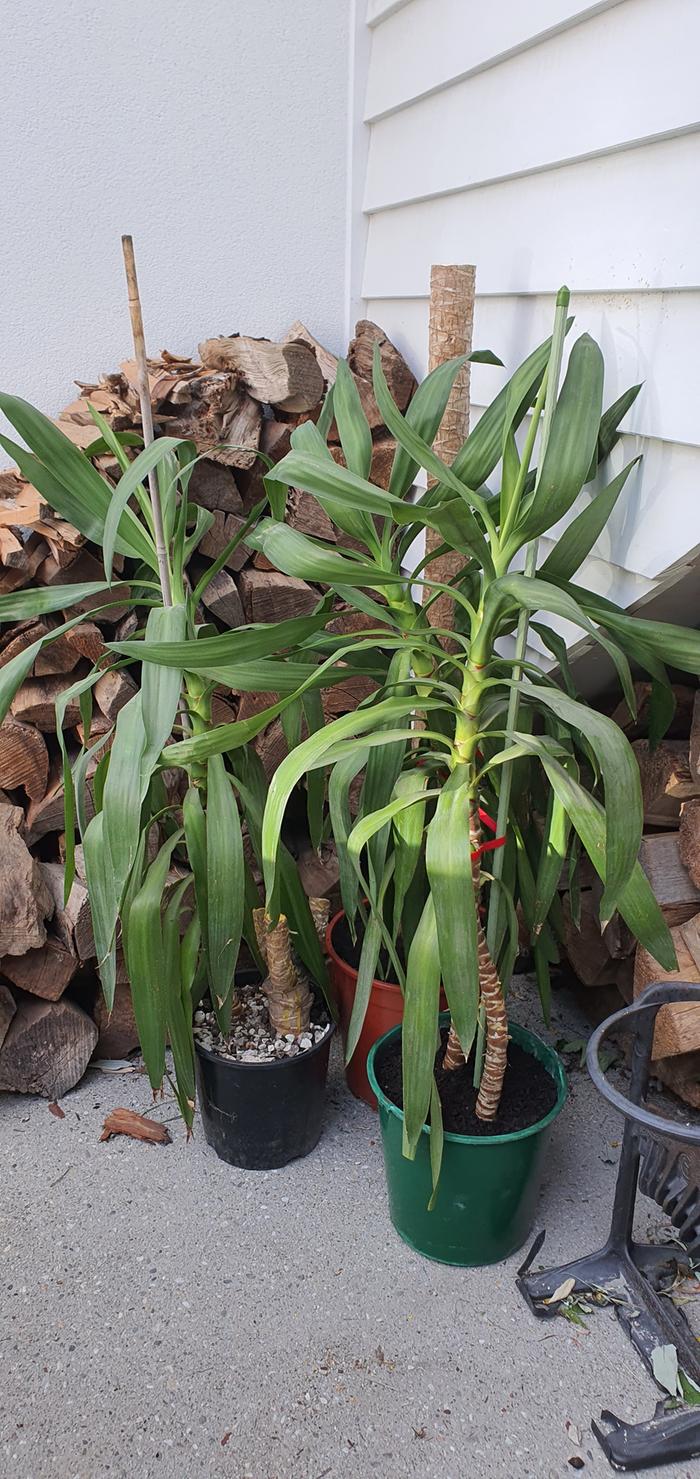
{"type": "Point", "coordinates": [488, 1184]}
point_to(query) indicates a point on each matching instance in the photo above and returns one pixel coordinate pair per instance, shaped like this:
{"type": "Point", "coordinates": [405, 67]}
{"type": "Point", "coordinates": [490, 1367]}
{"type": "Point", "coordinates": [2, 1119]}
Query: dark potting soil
{"type": "Point", "coordinates": [350, 950]}
{"type": "Point", "coordinates": [529, 1091]}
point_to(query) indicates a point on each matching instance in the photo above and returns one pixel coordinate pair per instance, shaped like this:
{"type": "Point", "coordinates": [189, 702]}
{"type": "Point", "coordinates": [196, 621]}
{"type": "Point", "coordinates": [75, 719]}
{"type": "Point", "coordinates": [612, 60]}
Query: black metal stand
{"type": "Point", "coordinates": [633, 1273]}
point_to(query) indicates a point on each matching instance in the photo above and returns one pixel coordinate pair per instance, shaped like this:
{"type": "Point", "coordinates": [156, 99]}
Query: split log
{"type": "Point", "coordinates": [118, 1035]}
{"type": "Point", "coordinates": [24, 758]}
{"type": "Point", "coordinates": [688, 838]}
{"type": "Point", "coordinates": [214, 487]}
{"type": "Point", "coordinates": [72, 921]}
{"type": "Point", "coordinates": [287, 376]}
{"type": "Point", "coordinates": [221, 598]}
{"type": "Point", "coordinates": [672, 886]}
{"type": "Point", "coordinates": [47, 1049]}
{"type": "Point", "coordinates": [590, 952]}
{"type": "Point", "coordinates": [694, 747]}
{"type": "Point", "coordinates": [682, 1076]}
{"type": "Point", "coordinates": [17, 639]}
{"type": "Point", "coordinates": [306, 515]}
{"type": "Point", "coordinates": [269, 596]}
{"type": "Point", "coordinates": [327, 362]}
{"type": "Point", "coordinates": [47, 815]}
{"type": "Point", "coordinates": [63, 655]}
{"type": "Point", "coordinates": [13, 577]}
{"type": "Point", "coordinates": [677, 1026]}
{"type": "Point", "coordinates": [8, 1008]}
{"type": "Point", "coordinates": [666, 780]}
{"type": "Point", "coordinates": [25, 901]}
{"type": "Point", "coordinates": [400, 379]}
{"type": "Point", "coordinates": [113, 691]}
{"type": "Point", "coordinates": [220, 417]}
{"type": "Point", "coordinates": [639, 728]}
{"type": "Point", "coordinates": [43, 972]}
{"type": "Point", "coordinates": [35, 703]}
{"type": "Point", "coordinates": [343, 697]}
{"type": "Point", "coordinates": [224, 528]}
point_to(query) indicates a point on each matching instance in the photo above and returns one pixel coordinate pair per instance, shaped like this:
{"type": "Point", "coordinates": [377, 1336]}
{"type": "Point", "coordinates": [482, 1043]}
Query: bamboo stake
{"type": "Point", "coordinates": [146, 412]}
{"type": "Point", "coordinates": [450, 334]}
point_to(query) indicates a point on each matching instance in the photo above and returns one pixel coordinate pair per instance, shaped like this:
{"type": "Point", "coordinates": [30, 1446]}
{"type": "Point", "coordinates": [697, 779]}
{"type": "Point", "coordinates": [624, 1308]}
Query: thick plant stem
{"type": "Point", "coordinates": [287, 992]}
{"type": "Point", "coordinates": [146, 413]}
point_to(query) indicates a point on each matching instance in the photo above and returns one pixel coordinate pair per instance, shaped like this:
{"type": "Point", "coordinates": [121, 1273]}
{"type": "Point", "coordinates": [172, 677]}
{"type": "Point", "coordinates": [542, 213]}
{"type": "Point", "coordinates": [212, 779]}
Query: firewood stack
{"type": "Point", "coordinates": [244, 396]}
{"type": "Point", "coordinates": [670, 857]}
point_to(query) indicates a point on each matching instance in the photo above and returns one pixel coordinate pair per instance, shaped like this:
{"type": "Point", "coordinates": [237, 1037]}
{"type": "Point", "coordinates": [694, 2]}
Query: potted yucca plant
{"type": "Point", "coordinates": [470, 728]}
{"type": "Point", "coordinates": [168, 876]}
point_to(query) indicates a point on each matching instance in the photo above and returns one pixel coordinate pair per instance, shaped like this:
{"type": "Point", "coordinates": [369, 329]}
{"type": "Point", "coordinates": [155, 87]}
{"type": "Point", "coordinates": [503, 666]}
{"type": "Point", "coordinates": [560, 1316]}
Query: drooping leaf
{"type": "Point", "coordinates": [578, 539]}
{"type": "Point", "coordinates": [419, 1032]}
{"type": "Point", "coordinates": [449, 865]}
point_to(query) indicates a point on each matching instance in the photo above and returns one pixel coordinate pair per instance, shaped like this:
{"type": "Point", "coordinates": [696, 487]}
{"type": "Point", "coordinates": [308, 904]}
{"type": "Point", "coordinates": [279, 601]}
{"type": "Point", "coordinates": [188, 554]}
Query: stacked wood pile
{"type": "Point", "coordinates": [243, 397]}
{"type": "Point", "coordinates": [670, 857]}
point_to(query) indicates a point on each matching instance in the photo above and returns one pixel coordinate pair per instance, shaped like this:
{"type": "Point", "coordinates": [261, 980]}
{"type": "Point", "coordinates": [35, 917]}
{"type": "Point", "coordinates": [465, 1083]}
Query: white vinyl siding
{"type": "Point", "coordinates": [553, 143]}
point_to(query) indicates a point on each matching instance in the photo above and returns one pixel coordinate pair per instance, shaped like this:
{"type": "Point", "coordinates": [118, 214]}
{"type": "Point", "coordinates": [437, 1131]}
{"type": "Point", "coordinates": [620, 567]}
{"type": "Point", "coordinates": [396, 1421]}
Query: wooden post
{"type": "Point", "coordinates": [450, 334]}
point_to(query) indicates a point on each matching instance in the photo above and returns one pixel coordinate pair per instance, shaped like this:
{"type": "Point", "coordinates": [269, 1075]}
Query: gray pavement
{"type": "Point", "coordinates": [166, 1316]}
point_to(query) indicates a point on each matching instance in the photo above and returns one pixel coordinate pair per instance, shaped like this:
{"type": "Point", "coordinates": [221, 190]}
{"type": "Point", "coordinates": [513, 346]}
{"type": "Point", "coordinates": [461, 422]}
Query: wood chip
{"type": "Point", "coordinates": [137, 1126]}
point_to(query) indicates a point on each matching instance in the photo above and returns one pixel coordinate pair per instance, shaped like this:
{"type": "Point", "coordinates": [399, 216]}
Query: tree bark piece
{"type": "Point", "coordinates": [287, 376]}
{"type": "Point", "coordinates": [8, 1007]}
{"type": "Point", "coordinates": [24, 758]}
{"type": "Point", "coordinates": [269, 596]}
{"type": "Point", "coordinates": [63, 655]}
{"type": "Point", "coordinates": [694, 747]}
{"type": "Point", "coordinates": [43, 972]}
{"type": "Point", "coordinates": [25, 901]}
{"type": "Point", "coordinates": [137, 1126]}
{"type": "Point", "coordinates": [47, 1049]}
{"type": "Point", "coordinates": [688, 839]}
{"type": "Point", "coordinates": [450, 334]}
{"type": "Point", "coordinates": [677, 1026]}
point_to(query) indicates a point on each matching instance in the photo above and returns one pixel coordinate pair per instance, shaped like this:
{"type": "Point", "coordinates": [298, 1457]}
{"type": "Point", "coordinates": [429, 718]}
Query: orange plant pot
{"type": "Point", "coordinates": [384, 1011]}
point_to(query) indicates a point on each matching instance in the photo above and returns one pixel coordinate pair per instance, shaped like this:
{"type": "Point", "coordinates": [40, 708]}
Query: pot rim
{"type": "Point", "coordinates": [345, 964]}
{"type": "Point", "coordinates": [279, 1063]}
{"type": "Point", "coordinates": [526, 1039]}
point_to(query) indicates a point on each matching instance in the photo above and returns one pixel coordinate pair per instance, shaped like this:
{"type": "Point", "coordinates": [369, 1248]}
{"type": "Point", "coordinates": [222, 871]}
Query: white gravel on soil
{"type": "Point", "coordinates": [251, 1038]}
{"type": "Point", "coordinates": [166, 1316]}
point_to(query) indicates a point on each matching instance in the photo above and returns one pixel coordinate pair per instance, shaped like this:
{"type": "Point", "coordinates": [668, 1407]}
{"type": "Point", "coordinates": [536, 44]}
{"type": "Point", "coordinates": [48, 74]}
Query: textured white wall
{"type": "Point", "coordinates": [215, 131]}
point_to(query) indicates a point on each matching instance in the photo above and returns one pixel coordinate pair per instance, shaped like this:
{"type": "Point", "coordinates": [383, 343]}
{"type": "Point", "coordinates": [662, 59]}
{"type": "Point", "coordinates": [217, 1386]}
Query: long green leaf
{"type": "Point", "coordinates": [225, 887]}
{"type": "Point", "coordinates": [571, 444]}
{"type": "Point", "coordinates": [143, 945]}
{"type": "Point", "coordinates": [419, 1033]}
{"type": "Point", "coordinates": [484, 446]}
{"type": "Point", "coordinates": [623, 791]}
{"type": "Point", "coordinates": [425, 412]}
{"type": "Point", "coordinates": [449, 865]}
{"type": "Point", "coordinates": [127, 486]}
{"type": "Point", "coordinates": [342, 775]}
{"type": "Point", "coordinates": [296, 554]}
{"type": "Point", "coordinates": [578, 539]}
{"type": "Point", "coordinates": [160, 687]}
{"type": "Point", "coordinates": [246, 644]}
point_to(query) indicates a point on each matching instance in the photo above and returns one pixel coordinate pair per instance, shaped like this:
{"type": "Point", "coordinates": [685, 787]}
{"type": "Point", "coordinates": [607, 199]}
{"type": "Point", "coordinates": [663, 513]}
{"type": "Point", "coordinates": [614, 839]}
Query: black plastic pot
{"type": "Point", "coordinates": [260, 1116]}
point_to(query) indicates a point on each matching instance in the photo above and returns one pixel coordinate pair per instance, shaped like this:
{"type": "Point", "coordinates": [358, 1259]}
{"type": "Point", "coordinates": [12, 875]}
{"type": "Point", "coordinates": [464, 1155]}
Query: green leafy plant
{"type": "Point", "coordinates": [143, 853]}
{"type": "Point", "coordinates": [473, 722]}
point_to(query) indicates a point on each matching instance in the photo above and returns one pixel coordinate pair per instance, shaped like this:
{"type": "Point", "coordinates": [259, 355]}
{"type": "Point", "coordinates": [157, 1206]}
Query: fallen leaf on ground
{"type": "Point", "coordinates": [562, 1292]}
{"type": "Point", "coordinates": [55, 1109]}
{"type": "Point", "coordinates": [138, 1126]}
{"type": "Point", "coordinates": [225, 1439]}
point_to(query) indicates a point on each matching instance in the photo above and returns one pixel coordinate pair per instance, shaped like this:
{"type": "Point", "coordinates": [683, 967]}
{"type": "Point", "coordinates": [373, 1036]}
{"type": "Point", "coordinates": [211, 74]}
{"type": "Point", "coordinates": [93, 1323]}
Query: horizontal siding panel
{"type": "Point", "coordinates": [646, 337]}
{"type": "Point", "coordinates": [657, 521]}
{"type": "Point", "coordinates": [609, 83]}
{"type": "Point", "coordinates": [423, 45]}
{"type": "Point", "coordinates": [606, 224]}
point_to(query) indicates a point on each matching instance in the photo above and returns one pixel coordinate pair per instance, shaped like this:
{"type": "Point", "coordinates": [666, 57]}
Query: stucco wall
{"type": "Point", "coordinates": [213, 130]}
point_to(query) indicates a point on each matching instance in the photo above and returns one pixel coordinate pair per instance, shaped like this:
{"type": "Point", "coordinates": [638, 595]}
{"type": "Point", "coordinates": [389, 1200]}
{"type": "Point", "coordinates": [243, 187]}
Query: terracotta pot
{"type": "Point", "coordinates": [384, 1011]}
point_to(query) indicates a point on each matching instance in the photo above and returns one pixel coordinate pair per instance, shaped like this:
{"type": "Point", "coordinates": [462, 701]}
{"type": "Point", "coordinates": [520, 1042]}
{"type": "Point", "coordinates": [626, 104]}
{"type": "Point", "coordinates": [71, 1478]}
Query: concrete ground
{"type": "Point", "coordinates": [166, 1316]}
